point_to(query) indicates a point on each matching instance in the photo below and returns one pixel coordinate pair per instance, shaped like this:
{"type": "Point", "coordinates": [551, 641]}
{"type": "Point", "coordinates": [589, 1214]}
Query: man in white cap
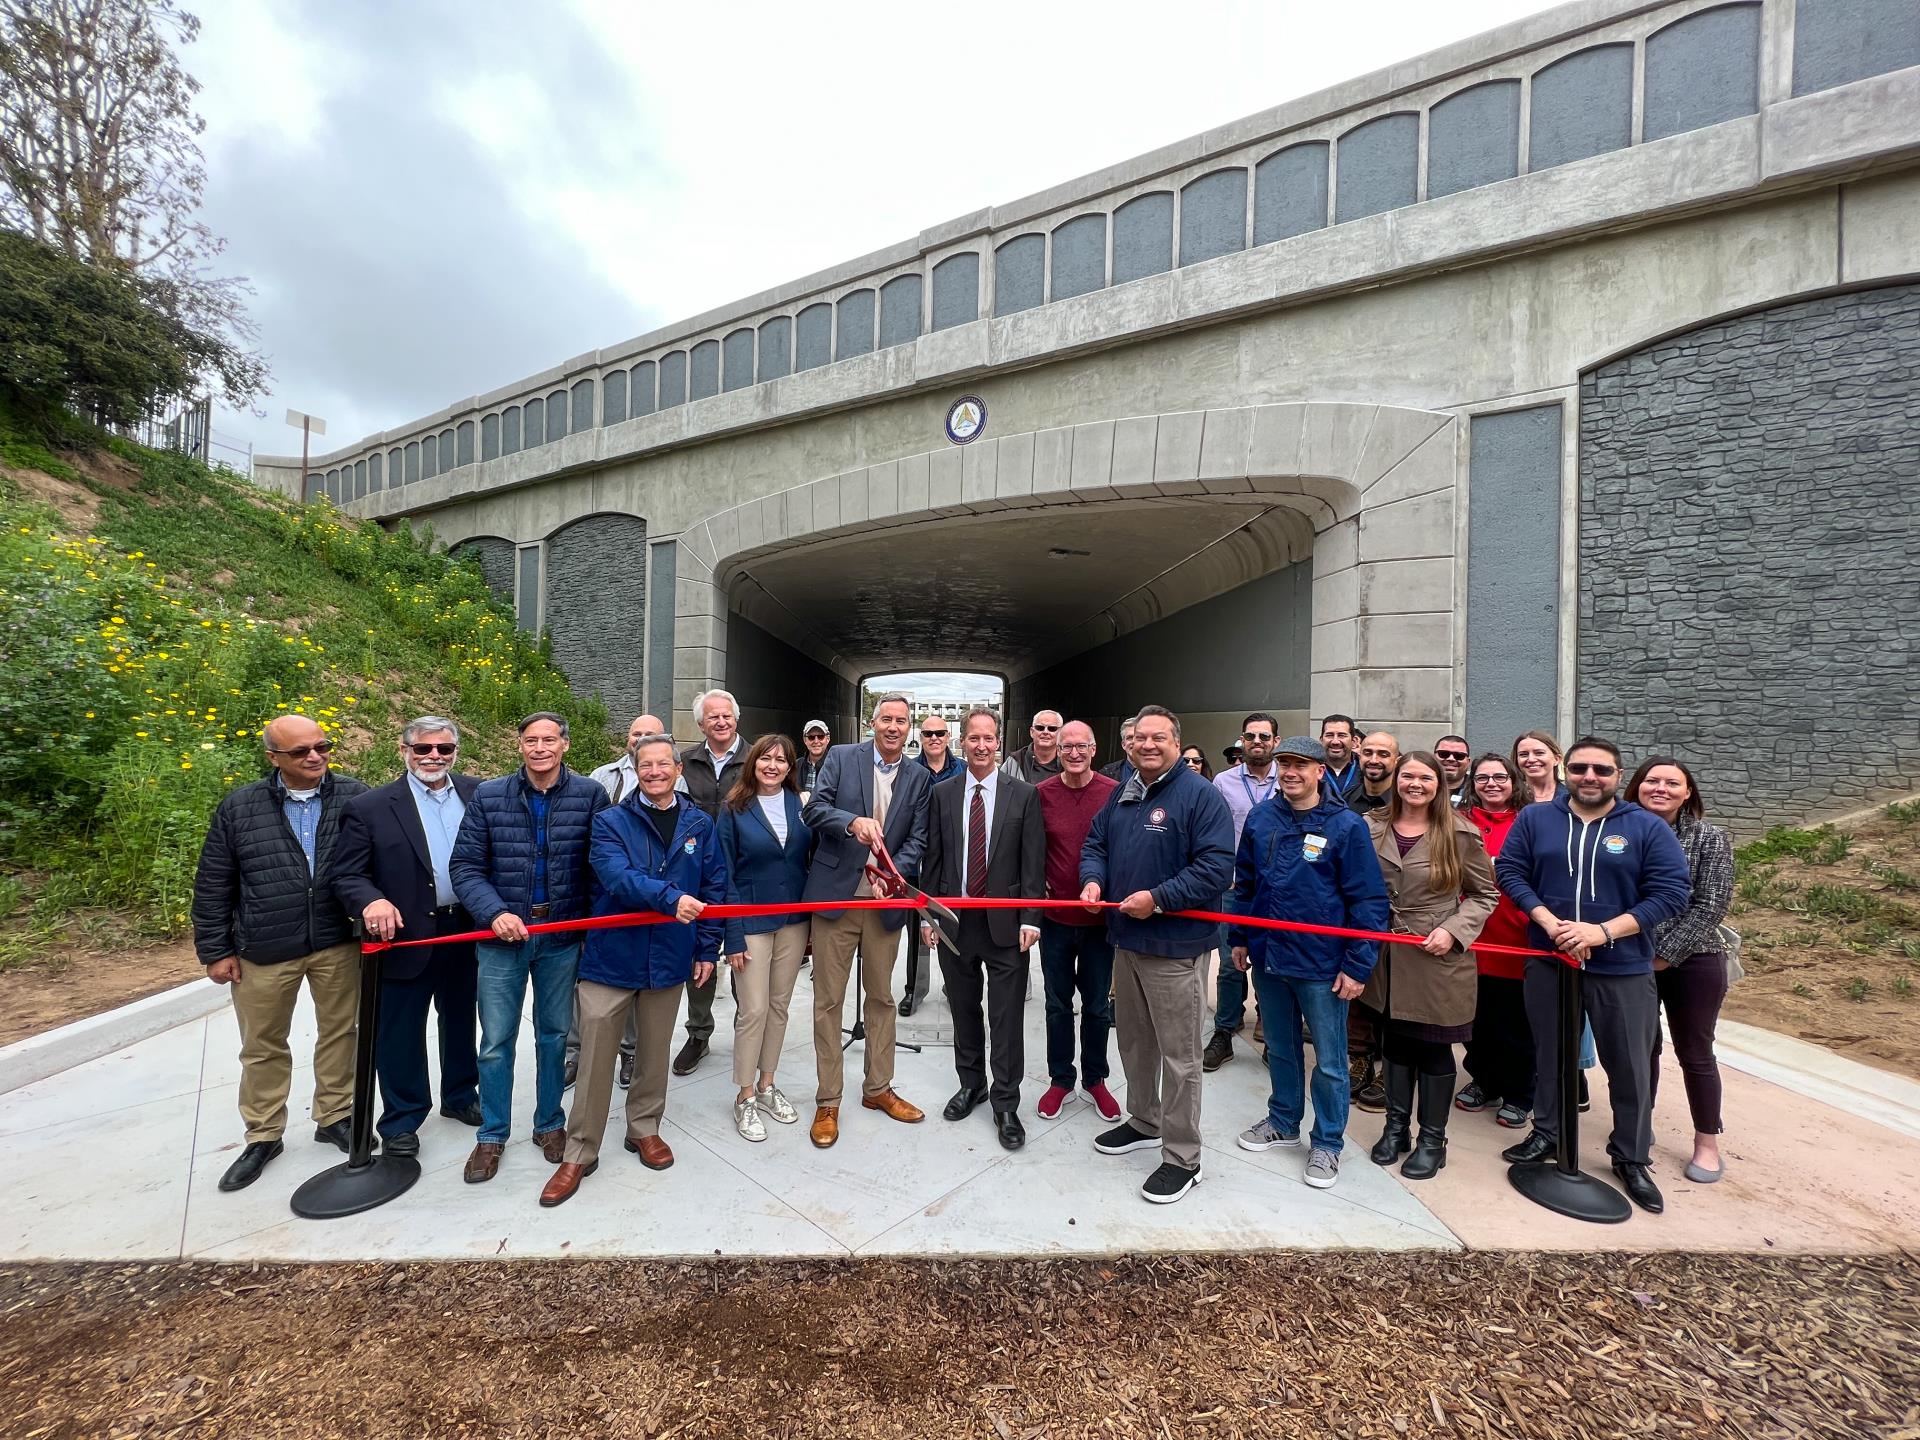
{"type": "Point", "coordinates": [816, 738]}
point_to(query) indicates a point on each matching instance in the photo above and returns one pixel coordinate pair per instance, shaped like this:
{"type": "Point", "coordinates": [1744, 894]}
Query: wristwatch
{"type": "Point", "coordinates": [1156, 908]}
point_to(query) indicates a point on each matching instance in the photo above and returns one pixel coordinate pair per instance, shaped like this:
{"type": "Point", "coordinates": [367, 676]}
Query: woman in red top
{"type": "Point", "coordinates": [1500, 1054]}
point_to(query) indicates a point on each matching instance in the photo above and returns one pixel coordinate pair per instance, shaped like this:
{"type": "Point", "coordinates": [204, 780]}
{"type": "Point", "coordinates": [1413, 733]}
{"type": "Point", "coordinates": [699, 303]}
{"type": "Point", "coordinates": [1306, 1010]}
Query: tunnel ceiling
{"type": "Point", "coordinates": [982, 592]}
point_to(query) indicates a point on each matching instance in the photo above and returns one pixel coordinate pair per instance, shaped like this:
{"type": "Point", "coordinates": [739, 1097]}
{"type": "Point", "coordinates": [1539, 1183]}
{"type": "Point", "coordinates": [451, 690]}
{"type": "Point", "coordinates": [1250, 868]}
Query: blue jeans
{"type": "Point", "coordinates": [550, 962]}
{"type": "Point", "coordinates": [1230, 989]}
{"type": "Point", "coordinates": [1283, 1001]}
{"type": "Point", "coordinates": [1077, 958]}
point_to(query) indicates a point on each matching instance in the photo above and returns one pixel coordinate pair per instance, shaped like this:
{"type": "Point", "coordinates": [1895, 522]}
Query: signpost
{"type": "Point", "coordinates": [310, 426]}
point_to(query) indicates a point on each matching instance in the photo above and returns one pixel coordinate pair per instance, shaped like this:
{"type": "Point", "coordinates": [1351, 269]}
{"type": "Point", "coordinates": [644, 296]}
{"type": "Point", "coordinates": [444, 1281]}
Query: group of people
{"type": "Point", "coordinates": [1121, 876]}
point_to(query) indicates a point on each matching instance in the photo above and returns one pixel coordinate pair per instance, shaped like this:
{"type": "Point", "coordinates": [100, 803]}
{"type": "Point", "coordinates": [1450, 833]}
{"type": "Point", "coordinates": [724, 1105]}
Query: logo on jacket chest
{"type": "Point", "coordinates": [692, 845]}
{"type": "Point", "coordinates": [1614, 844]}
{"type": "Point", "coordinates": [1313, 846]}
{"type": "Point", "coordinates": [1157, 818]}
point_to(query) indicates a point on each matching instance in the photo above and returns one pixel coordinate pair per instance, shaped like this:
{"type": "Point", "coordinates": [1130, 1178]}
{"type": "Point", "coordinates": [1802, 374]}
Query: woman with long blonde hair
{"type": "Point", "coordinates": [1537, 755]}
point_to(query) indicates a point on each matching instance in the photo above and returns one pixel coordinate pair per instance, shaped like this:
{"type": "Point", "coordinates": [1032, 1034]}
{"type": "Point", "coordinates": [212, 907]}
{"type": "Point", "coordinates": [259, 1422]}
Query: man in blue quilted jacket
{"type": "Point", "coordinates": [520, 859]}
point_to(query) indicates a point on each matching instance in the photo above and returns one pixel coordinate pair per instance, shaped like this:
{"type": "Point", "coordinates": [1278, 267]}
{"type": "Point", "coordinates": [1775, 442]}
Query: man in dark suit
{"type": "Point", "coordinates": [866, 792]}
{"type": "Point", "coordinates": [391, 873]}
{"type": "Point", "coordinates": [985, 838]}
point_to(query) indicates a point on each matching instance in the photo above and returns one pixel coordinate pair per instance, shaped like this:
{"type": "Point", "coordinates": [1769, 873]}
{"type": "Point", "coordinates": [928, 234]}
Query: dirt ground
{"type": "Point", "coordinates": [85, 980]}
{"type": "Point", "coordinates": [1568, 1347]}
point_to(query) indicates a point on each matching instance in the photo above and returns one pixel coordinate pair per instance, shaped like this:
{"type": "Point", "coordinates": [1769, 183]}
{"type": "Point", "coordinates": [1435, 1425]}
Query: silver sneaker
{"type": "Point", "coordinates": [1266, 1136]}
{"type": "Point", "coordinates": [746, 1119]}
{"type": "Point", "coordinates": [1323, 1168]}
{"type": "Point", "coordinates": [776, 1105]}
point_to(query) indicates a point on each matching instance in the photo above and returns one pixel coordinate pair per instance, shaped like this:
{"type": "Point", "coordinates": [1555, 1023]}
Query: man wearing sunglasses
{"type": "Point", "coordinates": [1595, 874]}
{"type": "Point", "coordinates": [392, 872]}
{"type": "Point", "coordinates": [1039, 758]}
{"type": "Point", "coordinates": [1455, 760]}
{"type": "Point", "coordinates": [264, 919]}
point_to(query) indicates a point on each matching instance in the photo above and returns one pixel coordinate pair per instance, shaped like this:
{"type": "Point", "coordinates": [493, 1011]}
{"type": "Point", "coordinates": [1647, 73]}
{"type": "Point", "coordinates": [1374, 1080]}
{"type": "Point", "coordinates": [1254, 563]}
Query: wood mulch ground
{"type": "Point", "coordinates": [1348, 1345]}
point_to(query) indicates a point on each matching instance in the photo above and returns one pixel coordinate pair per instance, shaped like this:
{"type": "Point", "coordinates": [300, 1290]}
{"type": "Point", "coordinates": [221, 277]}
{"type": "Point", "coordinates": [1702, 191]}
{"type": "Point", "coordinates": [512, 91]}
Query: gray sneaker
{"type": "Point", "coordinates": [1323, 1168]}
{"type": "Point", "coordinates": [1266, 1136]}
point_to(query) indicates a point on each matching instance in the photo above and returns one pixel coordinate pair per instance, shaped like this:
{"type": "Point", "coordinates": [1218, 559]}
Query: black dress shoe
{"type": "Point", "coordinates": [691, 1054]}
{"type": "Point", "coordinates": [407, 1144]}
{"type": "Point", "coordinates": [244, 1171]}
{"type": "Point", "coordinates": [1012, 1133]}
{"type": "Point", "coordinates": [625, 1077]}
{"type": "Point", "coordinates": [907, 1006]}
{"type": "Point", "coordinates": [338, 1133]}
{"type": "Point", "coordinates": [964, 1102]}
{"type": "Point", "coordinates": [1534, 1148]}
{"type": "Point", "coordinates": [467, 1114]}
{"type": "Point", "coordinates": [1637, 1181]}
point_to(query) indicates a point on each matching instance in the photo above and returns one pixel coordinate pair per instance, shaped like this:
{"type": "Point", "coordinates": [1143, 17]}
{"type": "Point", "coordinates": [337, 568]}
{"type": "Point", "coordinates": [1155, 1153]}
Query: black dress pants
{"type": "Point", "coordinates": [446, 985]}
{"type": "Point", "coordinates": [1000, 975]}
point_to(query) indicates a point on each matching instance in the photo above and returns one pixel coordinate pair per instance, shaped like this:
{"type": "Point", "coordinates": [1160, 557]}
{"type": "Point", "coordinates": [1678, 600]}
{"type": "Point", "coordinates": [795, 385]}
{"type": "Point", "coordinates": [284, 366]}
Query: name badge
{"type": "Point", "coordinates": [1313, 847]}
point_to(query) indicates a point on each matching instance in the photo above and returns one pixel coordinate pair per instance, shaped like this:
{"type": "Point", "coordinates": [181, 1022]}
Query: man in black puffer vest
{"type": "Point", "coordinates": [264, 918]}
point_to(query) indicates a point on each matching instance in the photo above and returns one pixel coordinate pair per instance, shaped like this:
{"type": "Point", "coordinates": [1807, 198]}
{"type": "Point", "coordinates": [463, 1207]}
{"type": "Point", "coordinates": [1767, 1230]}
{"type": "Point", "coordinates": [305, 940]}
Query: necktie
{"type": "Point", "coordinates": [977, 842]}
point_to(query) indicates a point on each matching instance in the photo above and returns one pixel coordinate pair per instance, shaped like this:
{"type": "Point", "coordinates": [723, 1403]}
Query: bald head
{"type": "Point", "coordinates": [644, 725]}
{"type": "Point", "coordinates": [1076, 752]}
{"type": "Point", "coordinates": [291, 742]}
{"type": "Point", "coordinates": [1379, 753]}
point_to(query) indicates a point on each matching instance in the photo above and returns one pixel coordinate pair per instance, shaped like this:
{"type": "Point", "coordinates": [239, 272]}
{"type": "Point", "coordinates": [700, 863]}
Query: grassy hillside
{"type": "Point", "coordinates": [154, 614]}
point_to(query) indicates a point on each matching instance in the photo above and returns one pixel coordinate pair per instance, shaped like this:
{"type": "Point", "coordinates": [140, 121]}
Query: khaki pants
{"type": "Point", "coordinates": [263, 1004]}
{"type": "Point", "coordinates": [834, 942]}
{"type": "Point", "coordinates": [1159, 1018]}
{"type": "Point", "coordinates": [604, 1011]}
{"type": "Point", "coordinates": [761, 993]}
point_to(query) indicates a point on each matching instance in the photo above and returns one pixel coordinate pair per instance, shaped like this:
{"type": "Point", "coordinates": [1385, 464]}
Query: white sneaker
{"type": "Point", "coordinates": [1266, 1136]}
{"type": "Point", "coordinates": [746, 1119]}
{"type": "Point", "coordinates": [776, 1105]}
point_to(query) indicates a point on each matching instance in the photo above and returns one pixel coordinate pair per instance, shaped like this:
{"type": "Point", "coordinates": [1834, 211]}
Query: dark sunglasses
{"type": "Point", "coordinates": [1581, 767]}
{"type": "Point", "coordinates": [300, 752]}
{"type": "Point", "coordinates": [437, 747]}
{"type": "Point", "coordinates": [1451, 754]}
{"type": "Point", "coordinates": [1196, 761]}
{"type": "Point", "coordinates": [1044, 729]}
{"type": "Point", "coordinates": [933, 734]}
{"type": "Point", "coordinates": [1255, 737]}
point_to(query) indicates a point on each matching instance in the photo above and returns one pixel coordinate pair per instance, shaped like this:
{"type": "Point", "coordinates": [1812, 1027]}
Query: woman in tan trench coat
{"type": "Point", "coordinates": [1440, 884]}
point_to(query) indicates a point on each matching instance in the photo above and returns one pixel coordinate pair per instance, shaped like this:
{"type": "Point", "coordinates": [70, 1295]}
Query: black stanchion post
{"type": "Point", "coordinates": [1560, 1184]}
{"type": "Point", "coordinates": [366, 1180]}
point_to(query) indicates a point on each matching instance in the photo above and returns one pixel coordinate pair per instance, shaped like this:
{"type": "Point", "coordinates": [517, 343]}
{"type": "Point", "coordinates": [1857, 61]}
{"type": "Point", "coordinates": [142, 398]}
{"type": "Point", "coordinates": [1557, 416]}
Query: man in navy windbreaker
{"type": "Point", "coordinates": [1162, 842]}
{"type": "Point", "coordinates": [653, 851]}
{"type": "Point", "coordinates": [1595, 874]}
{"type": "Point", "coordinates": [1305, 856]}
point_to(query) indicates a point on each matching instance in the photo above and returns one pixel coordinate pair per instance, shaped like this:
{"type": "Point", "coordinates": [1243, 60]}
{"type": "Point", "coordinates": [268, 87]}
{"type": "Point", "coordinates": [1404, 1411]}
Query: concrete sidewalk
{"type": "Point", "coordinates": [118, 1158]}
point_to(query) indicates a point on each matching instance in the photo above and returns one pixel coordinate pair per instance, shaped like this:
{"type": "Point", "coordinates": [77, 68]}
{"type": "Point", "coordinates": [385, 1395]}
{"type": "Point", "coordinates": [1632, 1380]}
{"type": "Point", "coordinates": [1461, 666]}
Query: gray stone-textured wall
{"type": "Point", "coordinates": [1749, 518]}
{"type": "Point", "coordinates": [597, 608]}
{"type": "Point", "coordinates": [496, 562]}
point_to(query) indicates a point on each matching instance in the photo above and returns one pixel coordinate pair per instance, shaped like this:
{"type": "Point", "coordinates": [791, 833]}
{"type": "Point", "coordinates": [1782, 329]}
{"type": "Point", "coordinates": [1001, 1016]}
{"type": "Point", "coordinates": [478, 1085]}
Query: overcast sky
{"type": "Point", "coordinates": [433, 199]}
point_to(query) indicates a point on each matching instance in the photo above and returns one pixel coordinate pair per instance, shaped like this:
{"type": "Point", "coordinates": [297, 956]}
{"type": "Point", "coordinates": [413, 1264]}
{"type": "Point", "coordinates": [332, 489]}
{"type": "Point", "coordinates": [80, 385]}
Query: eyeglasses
{"type": "Point", "coordinates": [300, 752]}
{"type": "Point", "coordinates": [1451, 754]}
{"type": "Point", "coordinates": [1043, 729]}
{"type": "Point", "coordinates": [1074, 746]}
{"type": "Point", "coordinates": [438, 747]}
{"type": "Point", "coordinates": [1581, 767]}
{"type": "Point", "coordinates": [1255, 737]}
{"type": "Point", "coordinates": [1492, 780]}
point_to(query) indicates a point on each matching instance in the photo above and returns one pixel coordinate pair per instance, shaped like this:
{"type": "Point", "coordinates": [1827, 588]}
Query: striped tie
{"type": "Point", "coordinates": [977, 842]}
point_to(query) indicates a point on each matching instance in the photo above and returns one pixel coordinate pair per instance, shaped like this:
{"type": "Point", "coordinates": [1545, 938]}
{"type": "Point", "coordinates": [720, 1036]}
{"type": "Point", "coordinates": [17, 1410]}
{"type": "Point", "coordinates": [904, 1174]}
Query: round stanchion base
{"type": "Point", "coordinates": [1578, 1196]}
{"type": "Point", "coordinates": [347, 1190]}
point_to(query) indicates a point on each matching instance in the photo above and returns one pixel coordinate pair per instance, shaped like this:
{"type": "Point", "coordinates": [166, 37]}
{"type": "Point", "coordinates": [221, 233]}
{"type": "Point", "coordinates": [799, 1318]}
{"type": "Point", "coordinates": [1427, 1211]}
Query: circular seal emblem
{"type": "Point", "coordinates": [1159, 816]}
{"type": "Point", "coordinates": [1615, 844]}
{"type": "Point", "coordinates": [966, 419]}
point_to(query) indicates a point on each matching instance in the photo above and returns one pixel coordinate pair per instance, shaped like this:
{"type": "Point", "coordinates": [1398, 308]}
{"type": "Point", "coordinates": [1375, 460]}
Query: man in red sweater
{"type": "Point", "coordinates": [1075, 953]}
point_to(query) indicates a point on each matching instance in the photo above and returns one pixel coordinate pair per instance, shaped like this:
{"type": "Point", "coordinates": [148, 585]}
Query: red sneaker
{"type": "Point", "coordinates": [1103, 1101]}
{"type": "Point", "coordinates": [1051, 1102]}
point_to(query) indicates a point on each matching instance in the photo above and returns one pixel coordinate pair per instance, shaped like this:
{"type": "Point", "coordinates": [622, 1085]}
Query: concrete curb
{"type": "Point", "coordinates": [1819, 1074]}
{"type": "Point", "coordinates": [54, 1051]}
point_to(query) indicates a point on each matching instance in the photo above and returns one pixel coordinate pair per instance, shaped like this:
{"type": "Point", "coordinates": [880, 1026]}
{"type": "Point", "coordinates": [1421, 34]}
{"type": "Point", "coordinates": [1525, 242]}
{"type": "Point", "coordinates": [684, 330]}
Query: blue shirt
{"type": "Point", "coordinates": [537, 805]}
{"type": "Point", "coordinates": [303, 818]}
{"type": "Point", "coordinates": [440, 814]}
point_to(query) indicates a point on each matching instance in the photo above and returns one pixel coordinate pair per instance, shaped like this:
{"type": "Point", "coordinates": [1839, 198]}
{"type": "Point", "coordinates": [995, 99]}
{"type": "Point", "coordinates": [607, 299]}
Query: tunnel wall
{"type": "Point", "coordinates": [781, 689]}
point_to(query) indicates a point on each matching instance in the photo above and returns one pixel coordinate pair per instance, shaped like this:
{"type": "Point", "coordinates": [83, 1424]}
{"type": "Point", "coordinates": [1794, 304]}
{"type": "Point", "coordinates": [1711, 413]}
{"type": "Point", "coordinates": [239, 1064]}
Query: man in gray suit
{"type": "Point", "coordinates": [864, 793]}
{"type": "Point", "coordinates": [985, 838]}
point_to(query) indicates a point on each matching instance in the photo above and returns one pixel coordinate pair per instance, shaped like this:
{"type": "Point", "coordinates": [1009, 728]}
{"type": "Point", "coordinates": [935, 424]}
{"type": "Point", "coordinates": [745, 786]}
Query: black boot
{"type": "Point", "coordinates": [1396, 1139]}
{"type": "Point", "coordinates": [1429, 1157]}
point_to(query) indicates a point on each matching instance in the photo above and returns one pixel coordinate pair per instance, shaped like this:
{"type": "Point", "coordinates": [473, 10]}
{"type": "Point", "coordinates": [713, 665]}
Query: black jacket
{"type": "Point", "coordinates": [382, 855]}
{"type": "Point", "coordinates": [252, 895]}
{"type": "Point", "coordinates": [704, 788]}
{"type": "Point", "coordinates": [1016, 852]}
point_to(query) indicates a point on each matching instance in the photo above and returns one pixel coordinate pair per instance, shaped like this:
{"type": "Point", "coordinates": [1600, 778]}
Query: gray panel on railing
{"type": "Point", "coordinates": [1079, 256]}
{"type": "Point", "coordinates": [900, 300]}
{"type": "Point", "coordinates": [1379, 166]}
{"type": "Point", "coordinates": [374, 486]}
{"type": "Point", "coordinates": [556, 416]}
{"type": "Point", "coordinates": [463, 443]}
{"type": "Point", "coordinates": [813, 336]}
{"type": "Point", "coordinates": [703, 370]}
{"type": "Point", "coordinates": [1019, 274]}
{"type": "Point", "coordinates": [1513, 574]}
{"type": "Point", "coordinates": [956, 290]}
{"type": "Point", "coordinates": [582, 406]}
{"type": "Point", "coordinates": [776, 348]}
{"type": "Point", "coordinates": [359, 479]}
{"type": "Point", "coordinates": [736, 359]}
{"type": "Point", "coordinates": [1836, 42]}
{"type": "Point", "coordinates": [640, 400]}
{"type": "Point", "coordinates": [429, 458]}
{"type": "Point", "coordinates": [396, 468]}
{"type": "Point", "coordinates": [316, 487]}
{"type": "Point", "coordinates": [1582, 105]}
{"type": "Point", "coordinates": [613, 397]}
{"type": "Point", "coordinates": [1473, 138]}
{"type": "Point", "coordinates": [489, 437]}
{"type": "Point", "coordinates": [1143, 237]}
{"type": "Point", "coordinates": [509, 431]}
{"type": "Point", "coordinates": [533, 424]}
{"type": "Point", "coordinates": [853, 335]}
{"type": "Point", "coordinates": [1290, 192]}
{"type": "Point", "coordinates": [446, 450]}
{"type": "Point", "coordinates": [673, 379]}
{"type": "Point", "coordinates": [1213, 216]}
{"type": "Point", "coordinates": [413, 463]}
{"type": "Point", "coordinates": [661, 567]}
{"type": "Point", "coordinates": [1702, 70]}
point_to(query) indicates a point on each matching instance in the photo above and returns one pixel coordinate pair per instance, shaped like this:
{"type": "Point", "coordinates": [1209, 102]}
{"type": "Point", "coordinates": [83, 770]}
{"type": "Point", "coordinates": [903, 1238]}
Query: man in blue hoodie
{"type": "Point", "coordinates": [1163, 842]}
{"type": "Point", "coordinates": [1305, 856]}
{"type": "Point", "coordinates": [1595, 874]}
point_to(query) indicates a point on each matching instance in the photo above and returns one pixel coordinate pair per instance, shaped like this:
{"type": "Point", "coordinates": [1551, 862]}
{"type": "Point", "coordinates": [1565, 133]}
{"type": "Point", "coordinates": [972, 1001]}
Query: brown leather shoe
{"type": "Point", "coordinates": [825, 1128]}
{"type": "Point", "coordinates": [565, 1181]}
{"type": "Point", "coordinates": [895, 1107]}
{"type": "Point", "coordinates": [484, 1163]}
{"type": "Point", "coordinates": [553, 1145]}
{"type": "Point", "coordinates": [654, 1152]}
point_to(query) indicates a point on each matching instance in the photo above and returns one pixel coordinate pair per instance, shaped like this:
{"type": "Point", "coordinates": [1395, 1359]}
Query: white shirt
{"type": "Point", "coordinates": [719, 762]}
{"type": "Point", "coordinates": [989, 791]}
{"type": "Point", "coordinates": [774, 807]}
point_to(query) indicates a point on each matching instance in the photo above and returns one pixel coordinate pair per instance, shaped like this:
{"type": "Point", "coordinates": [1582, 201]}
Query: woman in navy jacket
{"type": "Point", "coordinates": [767, 846]}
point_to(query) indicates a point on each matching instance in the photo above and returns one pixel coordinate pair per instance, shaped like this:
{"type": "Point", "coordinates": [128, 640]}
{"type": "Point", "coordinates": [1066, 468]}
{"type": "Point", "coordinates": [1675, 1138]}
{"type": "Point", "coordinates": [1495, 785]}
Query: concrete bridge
{"type": "Point", "coordinates": [1569, 375]}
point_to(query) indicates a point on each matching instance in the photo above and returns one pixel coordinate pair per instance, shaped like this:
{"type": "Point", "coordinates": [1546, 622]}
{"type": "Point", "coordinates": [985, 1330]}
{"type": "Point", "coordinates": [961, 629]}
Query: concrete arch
{"type": "Point", "coordinates": [1368, 492]}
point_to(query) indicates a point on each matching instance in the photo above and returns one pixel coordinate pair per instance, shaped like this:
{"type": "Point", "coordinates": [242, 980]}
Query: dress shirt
{"type": "Point", "coordinates": [989, 791]}
{"type": "Point", "coordinates": [302, 809]}
{"type": "Point", "coordinates": [1242, 792]}
{"type": "Point", "coordinates": [440, 814]}
{"type": "Point", "coordinates": [719, 762]}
